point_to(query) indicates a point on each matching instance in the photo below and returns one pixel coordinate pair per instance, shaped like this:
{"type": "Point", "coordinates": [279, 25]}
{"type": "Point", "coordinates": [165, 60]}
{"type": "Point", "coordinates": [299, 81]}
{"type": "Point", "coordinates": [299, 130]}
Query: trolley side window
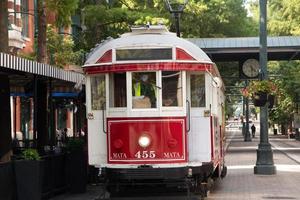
{"type": "Point", "coordinates": [172, 88]}
{"type": "Point", "coordinates": [197, 90]}
{"type": "Point", "coordinates": [117, 90]}
{"type": "Point", "coordinates": [98, 92]}
{"type": "Point", "coordinates": [144, 54]}
{"type": "Point", "coordinates": [144, 92]}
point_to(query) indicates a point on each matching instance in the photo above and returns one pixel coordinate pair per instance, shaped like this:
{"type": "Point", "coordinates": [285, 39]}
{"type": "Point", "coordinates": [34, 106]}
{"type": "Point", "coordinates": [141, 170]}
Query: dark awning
{"type": "Point", "coordinates": [18, 64]}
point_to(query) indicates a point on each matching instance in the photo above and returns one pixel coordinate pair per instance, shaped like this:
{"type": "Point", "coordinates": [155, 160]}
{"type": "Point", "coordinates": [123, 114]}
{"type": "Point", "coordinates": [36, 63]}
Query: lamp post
{"type": "Point", "coordinates": [176, 7]}
{"type": "Point", "coordinates": [247, 136]}
{"type": "Point", "coordinates": [264, 163]}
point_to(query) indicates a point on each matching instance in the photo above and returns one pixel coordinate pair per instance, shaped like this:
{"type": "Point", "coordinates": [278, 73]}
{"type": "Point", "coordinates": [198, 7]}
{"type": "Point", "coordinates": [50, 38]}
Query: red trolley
{"type": "Point", "coordinates": [155, 109]}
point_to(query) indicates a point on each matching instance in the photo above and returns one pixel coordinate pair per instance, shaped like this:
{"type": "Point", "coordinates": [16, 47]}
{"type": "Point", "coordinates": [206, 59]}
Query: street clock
{"type": "Point", "coordinates": [250, 69]}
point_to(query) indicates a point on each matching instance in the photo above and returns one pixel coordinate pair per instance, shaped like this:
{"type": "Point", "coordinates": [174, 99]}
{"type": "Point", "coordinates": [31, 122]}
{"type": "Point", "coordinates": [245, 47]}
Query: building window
{"type": "Point", "coordinates": [198, 90]}
{"type": "Point", "coordinates": [25, 18]}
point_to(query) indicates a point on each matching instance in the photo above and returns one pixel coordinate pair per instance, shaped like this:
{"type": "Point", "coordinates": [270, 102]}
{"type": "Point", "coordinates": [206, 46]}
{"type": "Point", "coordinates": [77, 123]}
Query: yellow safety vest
{"type": "Point", "coordinates": [138, 89]}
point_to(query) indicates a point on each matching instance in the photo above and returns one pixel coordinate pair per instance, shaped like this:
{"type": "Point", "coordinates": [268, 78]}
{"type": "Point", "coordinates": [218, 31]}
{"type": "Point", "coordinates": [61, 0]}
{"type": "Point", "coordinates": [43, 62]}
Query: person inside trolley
{"type": "Point", "coordinates": [144, 95]}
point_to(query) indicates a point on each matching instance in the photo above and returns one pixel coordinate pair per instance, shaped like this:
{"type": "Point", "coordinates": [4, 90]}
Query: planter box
{"type": "Point", "coordinates": [7, 178]}
{"type": "Point", "coordinates": [77, 171]}
{"type": "Point", "coordinates": [260, 99]}
{"type": "Point", "coordinates": [29, 175]}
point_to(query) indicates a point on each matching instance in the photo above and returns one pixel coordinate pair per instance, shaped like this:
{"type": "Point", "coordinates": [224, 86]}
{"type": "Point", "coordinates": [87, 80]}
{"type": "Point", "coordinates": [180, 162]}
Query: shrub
{"type": "Point", "coordinates": [30, 154]}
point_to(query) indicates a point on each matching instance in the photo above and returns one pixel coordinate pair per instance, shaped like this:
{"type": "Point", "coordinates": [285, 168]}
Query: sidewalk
{"type": "Point", "coordinates": [242, 184]}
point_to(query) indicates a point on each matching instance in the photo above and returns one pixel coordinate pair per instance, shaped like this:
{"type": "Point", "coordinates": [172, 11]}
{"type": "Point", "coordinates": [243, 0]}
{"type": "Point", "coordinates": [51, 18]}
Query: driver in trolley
{"type": "Point", "coordinates": [144, 92]}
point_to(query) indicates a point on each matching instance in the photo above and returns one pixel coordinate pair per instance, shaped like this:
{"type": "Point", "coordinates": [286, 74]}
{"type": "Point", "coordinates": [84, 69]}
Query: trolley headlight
{"type": "Point", "coordinates": [144, 141]}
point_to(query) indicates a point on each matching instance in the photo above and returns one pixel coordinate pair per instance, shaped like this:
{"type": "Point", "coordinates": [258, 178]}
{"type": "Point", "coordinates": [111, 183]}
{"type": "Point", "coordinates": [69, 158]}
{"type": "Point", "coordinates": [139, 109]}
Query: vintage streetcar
{"type": "Point", "coordinates": [155, 110]}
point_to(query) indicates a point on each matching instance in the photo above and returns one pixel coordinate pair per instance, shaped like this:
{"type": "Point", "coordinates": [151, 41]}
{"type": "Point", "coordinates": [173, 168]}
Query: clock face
{"type": "Point", "coordinates": [250, 68]}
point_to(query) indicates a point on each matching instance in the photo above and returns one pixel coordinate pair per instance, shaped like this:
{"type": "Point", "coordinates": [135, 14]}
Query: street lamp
{"type": "Point", "coordinates": [176, 7]}
{"type": "Point", "coordinates": [264, 163]}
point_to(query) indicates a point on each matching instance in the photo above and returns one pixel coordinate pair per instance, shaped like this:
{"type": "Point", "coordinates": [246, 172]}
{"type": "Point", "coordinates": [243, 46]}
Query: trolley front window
{"type": "Point", "coordinates": [172, 88]}
{"type": "Point", "coordinates": [144, 90]}
{"type": "Point", "coordinates": [97, 92]}
{"type": "Point", "coordinates": [144, 54]}
{"type": "Point", "coordinates": [117, 90]}
{"type": "Point", "coordinates": [198, 90]}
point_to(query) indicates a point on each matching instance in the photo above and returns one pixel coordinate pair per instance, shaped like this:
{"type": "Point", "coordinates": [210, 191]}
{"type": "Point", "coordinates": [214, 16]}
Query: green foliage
{"type": "Point", "coordinates": [60, 49]}
{"type": "Point", "coordinates": [282, 113]}
{"type": "Point", "coordinates": [74, 144]}
{"type": "Point", "coordinates": [284, 17]}
{"type": "Point", "coordinates": [63, 10]}
{"type": "Point", "coordinates": [217, 18]}
{"type": "Point", "coordinates": [30, 154]}
{"type": "Point", "coordinates": [201, 18]}
{"type": "Point", "coordinates": [28, 56]}
{"type": "Point", "coordinates": [265, 86]}
{"type": "Point", "coordinates": [289, 88]}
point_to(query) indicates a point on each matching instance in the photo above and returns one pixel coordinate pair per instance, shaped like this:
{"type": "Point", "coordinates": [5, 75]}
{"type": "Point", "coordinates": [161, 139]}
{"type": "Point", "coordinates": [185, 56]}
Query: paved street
{"type": "Point", "coordinates": [240, 182]}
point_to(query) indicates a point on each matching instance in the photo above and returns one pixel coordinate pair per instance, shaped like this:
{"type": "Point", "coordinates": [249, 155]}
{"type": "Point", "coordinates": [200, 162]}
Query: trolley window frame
{"type": "Point", "coordinates": [144, 54]}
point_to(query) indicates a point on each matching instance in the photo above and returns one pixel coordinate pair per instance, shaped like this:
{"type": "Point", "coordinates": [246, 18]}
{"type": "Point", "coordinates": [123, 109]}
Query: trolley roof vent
{"type": "Point", "coordinates": [148, 29]}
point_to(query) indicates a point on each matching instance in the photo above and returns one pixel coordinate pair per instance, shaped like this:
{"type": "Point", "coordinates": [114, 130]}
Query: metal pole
{"type": "Point", "coordinates": [243, 118]}
{"type": "Point", "coordinates": [247, 133]}
{"type": "Point", "coordinates": [176, 16]}
{"type": "Point", "coordinates": [264, 163]}
{"type": "Point", "coordinates": [15, 117]}
{"type": "Point", "coordinates": [35, 97]}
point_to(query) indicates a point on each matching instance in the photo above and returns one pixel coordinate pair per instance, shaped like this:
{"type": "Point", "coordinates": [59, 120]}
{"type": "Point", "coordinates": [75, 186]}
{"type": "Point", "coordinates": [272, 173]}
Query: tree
{"type": "Point", "coordinates": [217, 18]}
{"type": "Point", "coordinates": [3, 26]}
{"type": "Point", "coordinates": [201, 18]}
{"type": "Point", "coordinates": [60, 49]}
{"type": "Point", "coordinates": [284, 17]}
{"type": "Point", "coordinates": [42, 27]}
{"type": "Point", "coordinates": [284, 20]}
{"type": "Point", "coordinates": [63, 11]}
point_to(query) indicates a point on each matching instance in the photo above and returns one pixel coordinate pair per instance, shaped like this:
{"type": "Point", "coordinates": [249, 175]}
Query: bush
{"type": "Point", "coordinates": [30, 154]}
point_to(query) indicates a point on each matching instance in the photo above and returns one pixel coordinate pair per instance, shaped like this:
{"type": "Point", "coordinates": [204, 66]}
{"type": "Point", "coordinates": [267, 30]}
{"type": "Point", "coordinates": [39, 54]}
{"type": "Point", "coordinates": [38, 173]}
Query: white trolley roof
{"type": "Point", "coordinates": [146, 37]}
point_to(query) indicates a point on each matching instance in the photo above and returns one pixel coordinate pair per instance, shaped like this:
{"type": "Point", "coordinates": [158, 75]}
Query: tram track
{"type": "Point", "coordinates": [290, 151]}
{"type": "Point", "coordinates": [152, 193]}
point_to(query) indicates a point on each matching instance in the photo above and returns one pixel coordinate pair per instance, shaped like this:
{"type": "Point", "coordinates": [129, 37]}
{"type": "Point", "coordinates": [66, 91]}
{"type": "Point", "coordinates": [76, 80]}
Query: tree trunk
{"type": "Point", "coordinates": [3, 26]}
{"type": "Point", "coordinates": [42, 31]}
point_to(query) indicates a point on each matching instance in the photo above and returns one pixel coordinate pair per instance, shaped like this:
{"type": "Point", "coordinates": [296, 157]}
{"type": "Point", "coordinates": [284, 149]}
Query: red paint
{"type": "Point", "coordinates": [167, 135]}
{"type": "Point", "coordinates": [118, 144]}
{"type": "Point", "coordinates": [107, 57]}
{"type": "Point", "coordinates": [183, 55]}
{"type": "Point", "coordinates": [170, 66]}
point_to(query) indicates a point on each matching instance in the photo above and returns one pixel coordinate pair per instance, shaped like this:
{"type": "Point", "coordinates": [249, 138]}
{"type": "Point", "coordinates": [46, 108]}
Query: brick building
{"type": "Point", "coordinates": [22, 33]}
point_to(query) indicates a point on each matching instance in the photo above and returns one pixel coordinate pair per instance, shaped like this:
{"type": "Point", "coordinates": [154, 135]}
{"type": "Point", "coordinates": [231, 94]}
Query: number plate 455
{"type": "Point", "coordinates": [145, 154]}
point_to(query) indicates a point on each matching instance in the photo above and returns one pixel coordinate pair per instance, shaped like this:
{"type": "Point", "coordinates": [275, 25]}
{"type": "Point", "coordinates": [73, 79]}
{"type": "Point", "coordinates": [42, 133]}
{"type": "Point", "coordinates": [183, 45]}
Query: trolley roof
{"type": "Point", "coordinates": [146, 37]}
